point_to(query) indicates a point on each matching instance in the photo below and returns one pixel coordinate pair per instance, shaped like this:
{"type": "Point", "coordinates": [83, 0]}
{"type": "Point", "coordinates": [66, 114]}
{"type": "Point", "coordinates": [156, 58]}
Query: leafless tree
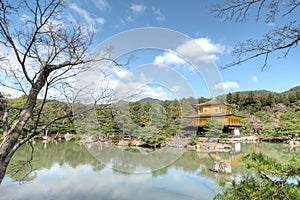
{"type": "Point", "coordinates": [5, 114]}
{"type": "Point", "coordinates": [282, 38]}
{"type": "Point", "coordinates": [48, 49]}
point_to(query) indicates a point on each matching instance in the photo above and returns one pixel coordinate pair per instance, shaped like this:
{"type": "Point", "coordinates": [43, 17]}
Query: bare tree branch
{"type": "Point", "coordinates": [49, 49]}
{"type": "Point", "coordinates": [293, 6]}
{"type": "Point", "coordinates": [280, 39]}
{"type": "Point", "coordinates": [5, 32]}
{"type": "Point", "coordinates": [41, 109]}
{"type": "Point", "coordinates": [43, 43]}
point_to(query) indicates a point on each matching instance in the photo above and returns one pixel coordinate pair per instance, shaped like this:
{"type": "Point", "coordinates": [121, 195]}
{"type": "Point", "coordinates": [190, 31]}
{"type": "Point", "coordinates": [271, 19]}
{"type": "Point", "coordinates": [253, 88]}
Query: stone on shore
{"type": "Point", "coordinates": [221, 167]}
{"type": "Point", "coordinates": [123, 143]}
{"type": "Point", "coordinates": [177, 143]}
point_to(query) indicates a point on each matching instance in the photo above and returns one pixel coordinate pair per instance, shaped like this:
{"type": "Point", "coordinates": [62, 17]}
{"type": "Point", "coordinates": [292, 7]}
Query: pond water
{"type": "Point", "coordinates": [67, 170]}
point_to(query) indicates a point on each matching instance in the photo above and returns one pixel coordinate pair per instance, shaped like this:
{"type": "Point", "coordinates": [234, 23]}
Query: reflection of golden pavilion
{"type": "Point", "coordinates": [216, 109]}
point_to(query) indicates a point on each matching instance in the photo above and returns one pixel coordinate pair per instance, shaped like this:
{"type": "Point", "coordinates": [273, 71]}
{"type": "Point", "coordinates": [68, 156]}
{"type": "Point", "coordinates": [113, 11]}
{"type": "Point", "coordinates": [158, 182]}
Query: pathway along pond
{"type": "Point", "coordinates": [67, 170]}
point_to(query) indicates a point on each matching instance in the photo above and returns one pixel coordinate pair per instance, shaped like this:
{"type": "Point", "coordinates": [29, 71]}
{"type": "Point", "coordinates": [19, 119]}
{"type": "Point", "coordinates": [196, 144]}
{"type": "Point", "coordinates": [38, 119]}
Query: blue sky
{"type": "Point", "coordinates": [193, 19]}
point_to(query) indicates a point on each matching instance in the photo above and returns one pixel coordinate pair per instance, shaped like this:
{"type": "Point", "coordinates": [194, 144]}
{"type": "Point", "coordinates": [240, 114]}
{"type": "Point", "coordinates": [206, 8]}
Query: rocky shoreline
{"type": "Point", "coordinates": [203, 143]}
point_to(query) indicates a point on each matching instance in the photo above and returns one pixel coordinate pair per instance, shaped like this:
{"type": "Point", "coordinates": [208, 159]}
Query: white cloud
{"type": "Point", "coordinates": [102, 5]}
{"type": "Point", "coordinates": [137, 8]}
{"type": "Point", "coordinates": [176, 88]}
{"type": "Point", "coordinates": [209, 46]}
{"type": "Point", "coordinates": [171, 59]}
{"type": "Point", "coordinates": [255, 79]}
{"type": "Point", "coordinates": [129, 19]}
{"type": "Point", "coordinates": [121, 72]}
{"type": "Point", "coordinates": [168, 58]}
{"type": "Point", "coordinates": [198, 50]}
{"type": "Point", "coordinates": [135, 11]}
{"type": "Point", "coordinates": [11, 76]}
{"type": "Point", "coordinates": [100, 20]}
{"type": "Point", "coordinates": [209, 51]}
{"type": "Point", "coordinates": [91, 20]}
{"type": "Point", "coordinates": [10, 62]}
{"type": "Point", "coordinates": [11, 92]}
{"type": "Point", "coordinates": [271, 24]}
{"type": "Point", "coordinates": [144, 78]}
{"type": "Point", "coordinates": [159, 16]}
{"type": "Point", "coordinates": [227, 86]}
{"type": "Point", "coordinates": [135, 85]}
{"type": "Point", "coordinates": [154, 92]}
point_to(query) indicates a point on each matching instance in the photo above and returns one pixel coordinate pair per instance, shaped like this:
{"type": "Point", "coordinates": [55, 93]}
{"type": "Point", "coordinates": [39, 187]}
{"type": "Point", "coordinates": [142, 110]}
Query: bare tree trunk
{"type": "Point", "coordinates": [68, 42]}
{"type": "Point", "coordinates": [3, 167]}
{"type": "Point", "coordinates": [9, 144]}
{"type": "Point", "coordinates": [5, 152]}
{"type": "Point", "coordinates": [5, 114]}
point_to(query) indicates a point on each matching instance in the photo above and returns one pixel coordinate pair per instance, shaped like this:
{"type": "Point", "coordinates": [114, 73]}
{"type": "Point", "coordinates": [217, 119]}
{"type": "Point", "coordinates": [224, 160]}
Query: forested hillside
{"type": "Point", "coordinates": [268, 113]}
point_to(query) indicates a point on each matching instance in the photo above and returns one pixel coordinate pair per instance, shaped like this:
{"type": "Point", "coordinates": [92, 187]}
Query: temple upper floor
{"type": "Point", "coordinates": [213, 106]}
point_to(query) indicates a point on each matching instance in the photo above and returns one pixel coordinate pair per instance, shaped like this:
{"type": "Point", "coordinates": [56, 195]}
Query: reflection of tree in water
{"type": "Point", "coordinates": [282, 152]}
{"type": "Point", "coordinates": [63, 153]}
{"type": "Point", "coordinates": [140, 159]}
{"type": "Point", "coordinates": [276, 150]}
{"type": "Point", "coordinates": [161, 172]}
{"type": "Point", "coordinates": [135, 160]}
{"type": "Point", "coordinates": [189, 161]}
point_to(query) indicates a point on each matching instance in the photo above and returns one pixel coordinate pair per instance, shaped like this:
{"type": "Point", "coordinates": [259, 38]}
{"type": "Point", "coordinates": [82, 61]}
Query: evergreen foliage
{"type": "Point", "coordinates": [267, 113]}
{"type": "Point", "coordinates": [213, 127]}
{"type": "Point", "coordinates": [268, 179]}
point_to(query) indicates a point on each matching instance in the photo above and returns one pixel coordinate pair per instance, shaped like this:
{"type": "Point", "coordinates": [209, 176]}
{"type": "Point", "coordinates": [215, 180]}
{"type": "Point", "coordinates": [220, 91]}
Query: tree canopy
{"type": "Point", "coordinates": [49, 49]}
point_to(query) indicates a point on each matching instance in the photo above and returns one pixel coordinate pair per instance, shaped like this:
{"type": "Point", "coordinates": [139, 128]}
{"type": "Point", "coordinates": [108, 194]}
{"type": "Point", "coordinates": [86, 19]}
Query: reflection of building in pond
{"type": "Point", "coordinates": [215, 109]}
{"type": "Point", "coordinates": [237, 147]}
{"type": "Point", "coordinates": [221, 147]}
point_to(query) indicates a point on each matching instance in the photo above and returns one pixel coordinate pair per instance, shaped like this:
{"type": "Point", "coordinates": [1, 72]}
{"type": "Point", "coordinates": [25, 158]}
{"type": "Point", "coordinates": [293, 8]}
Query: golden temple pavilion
{"type": "Point", "coordinates": [216, 109]}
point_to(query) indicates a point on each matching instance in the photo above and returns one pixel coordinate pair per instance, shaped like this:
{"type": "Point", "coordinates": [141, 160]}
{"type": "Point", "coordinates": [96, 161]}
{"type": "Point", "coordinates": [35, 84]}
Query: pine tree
{"type": "Point", "coordinates": [229, 98]}
{"type": "Point", "coordinates": [269, 179]}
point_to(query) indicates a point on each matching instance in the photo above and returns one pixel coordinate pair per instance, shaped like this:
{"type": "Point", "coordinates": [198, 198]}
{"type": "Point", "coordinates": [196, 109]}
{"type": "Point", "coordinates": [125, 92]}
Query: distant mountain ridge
{"type": "Point", "coordinates": [257, 93]}
{"type": "Point", "coordinates": [149, 100]}
{"type": "Point", "coordinates": [296, 88]}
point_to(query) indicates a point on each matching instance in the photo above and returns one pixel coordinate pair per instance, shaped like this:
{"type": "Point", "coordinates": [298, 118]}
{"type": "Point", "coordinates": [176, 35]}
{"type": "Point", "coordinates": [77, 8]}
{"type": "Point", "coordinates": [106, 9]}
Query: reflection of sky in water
{"type": "Point", "coordinates": [140, 161]}
{"type": "Point", "coordinates": [82, 182]}
{"type": "Point", "coordinates": [69, 171]}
